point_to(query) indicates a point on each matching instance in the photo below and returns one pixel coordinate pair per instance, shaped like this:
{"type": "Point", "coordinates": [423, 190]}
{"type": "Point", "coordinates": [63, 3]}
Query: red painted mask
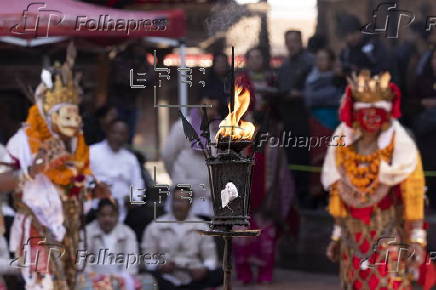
{"type": "Point", "coordinates": [371, 119]}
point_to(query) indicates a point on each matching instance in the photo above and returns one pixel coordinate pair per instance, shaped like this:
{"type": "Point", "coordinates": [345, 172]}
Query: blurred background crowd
{"type": "Point", "coordinates": [296, 84]}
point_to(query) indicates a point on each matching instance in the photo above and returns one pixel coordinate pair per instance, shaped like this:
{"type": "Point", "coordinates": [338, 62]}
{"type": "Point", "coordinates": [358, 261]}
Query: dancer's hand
{"type": "Point", "coordinates": [332, 251]}
{"type": "Point", "coordinates": [39, 164]}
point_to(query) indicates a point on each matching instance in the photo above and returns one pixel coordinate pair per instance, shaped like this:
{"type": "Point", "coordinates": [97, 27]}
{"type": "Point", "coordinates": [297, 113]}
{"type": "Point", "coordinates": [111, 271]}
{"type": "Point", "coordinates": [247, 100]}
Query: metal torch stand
{"type": "Point", "coordinates": [228, 234]}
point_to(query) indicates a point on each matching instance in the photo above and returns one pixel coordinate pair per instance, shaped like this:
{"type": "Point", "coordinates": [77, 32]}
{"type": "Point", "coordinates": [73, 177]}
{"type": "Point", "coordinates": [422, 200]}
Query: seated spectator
{"type": "Point", "coordinates": [95, 125]}
{"type": "Point", "coordinates": [110, 254]}
{"type": "Point", "coordinates": [116, 166]}
{"type": "Point", "coordinates": [140, 215]}
{"type": "Point", "coordinates": [190, 258]}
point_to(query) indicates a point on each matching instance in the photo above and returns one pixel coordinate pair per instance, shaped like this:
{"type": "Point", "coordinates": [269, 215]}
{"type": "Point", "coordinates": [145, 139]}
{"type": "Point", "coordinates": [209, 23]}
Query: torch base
{"type": "Point", "coordinates": [232, 233]}
{"type": "Point", "coordinates": [227, 234]}
{"type": "Point", "coordinates": [224, 221]}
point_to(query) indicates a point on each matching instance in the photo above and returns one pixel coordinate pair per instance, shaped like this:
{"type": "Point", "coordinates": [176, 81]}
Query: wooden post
{"type": "Point", "coordinates": [227, 263]}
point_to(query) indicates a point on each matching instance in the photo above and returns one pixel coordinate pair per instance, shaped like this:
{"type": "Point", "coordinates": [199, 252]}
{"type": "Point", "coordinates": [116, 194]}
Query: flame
{"type": "Point", "coordinates": [232, 126]}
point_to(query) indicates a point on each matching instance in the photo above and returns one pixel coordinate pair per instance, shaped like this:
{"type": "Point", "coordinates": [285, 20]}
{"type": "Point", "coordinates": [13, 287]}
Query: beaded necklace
{"type": "Point", "coordinates": [362, 170]}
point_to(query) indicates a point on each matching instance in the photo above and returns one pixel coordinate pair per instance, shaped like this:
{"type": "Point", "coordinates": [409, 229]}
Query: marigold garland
{"type": "Point", "coordinates": [362, 170]}
{"type": "Point", "coordinates": [38, 131]}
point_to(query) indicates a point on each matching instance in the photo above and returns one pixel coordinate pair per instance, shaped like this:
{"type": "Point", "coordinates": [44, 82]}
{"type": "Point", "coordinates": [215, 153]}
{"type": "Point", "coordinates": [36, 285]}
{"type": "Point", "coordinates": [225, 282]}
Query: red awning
{"type": "Point", "coordinates": [47, 18]}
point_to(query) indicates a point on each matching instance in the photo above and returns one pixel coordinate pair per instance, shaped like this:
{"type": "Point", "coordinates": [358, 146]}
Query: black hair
{"type": "Point", "coordinates": [347, 24]}
{"type": "Point", "coordinates": [217, 55]}
{"type": "Point", "coordinates": [250, 50]}
{"type": "Point", "coordinates": [118, 120]}
{"type": "Point", "coordinates": [298, 32]}
{"type": "Point", "coordinates": [330, 53]}
{"type": "Point", "coordinates": [107, 202]}
{"type": "Point", "coordinates": [103, 110]}
{"type": "Point", "coordinates": [316, 42]}
{"type": "Point", "coordinates": [211, 75]}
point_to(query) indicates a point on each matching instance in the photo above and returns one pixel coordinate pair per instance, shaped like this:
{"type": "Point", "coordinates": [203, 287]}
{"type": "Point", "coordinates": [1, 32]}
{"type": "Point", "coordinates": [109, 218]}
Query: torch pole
{"type": "Point", "coordinates": [227, 262]}
{"type": "Point", "coordinates": [227, 233]}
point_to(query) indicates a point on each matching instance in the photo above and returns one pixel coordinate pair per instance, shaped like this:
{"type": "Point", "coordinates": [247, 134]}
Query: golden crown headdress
{"type": "Point", "coordinates": [371, 89]}
{"type": "Point", "coordinates": [59, 86]}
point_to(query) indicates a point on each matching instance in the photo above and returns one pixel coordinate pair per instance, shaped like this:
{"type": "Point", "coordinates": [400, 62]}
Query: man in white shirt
{"type": "Point", "coordinates": [106, 238]}
{"type": "Point", "coordinates": [117, 166]}
{"type": "Point", "coordinates": [190, 258]}
{"type": "Point", "coordinates": [111, 251]}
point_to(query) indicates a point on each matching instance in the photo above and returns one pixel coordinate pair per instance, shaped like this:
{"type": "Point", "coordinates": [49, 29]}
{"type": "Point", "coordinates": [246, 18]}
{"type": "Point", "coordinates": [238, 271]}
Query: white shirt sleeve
{"type": "Point", "coordinates": [150, 246]}
{"type": "Point", "coordinates": [132, 249]}
{"type": "Point", "coordinates": [137, 181]}
{"type": "Point", "coordinates": [174, 143]}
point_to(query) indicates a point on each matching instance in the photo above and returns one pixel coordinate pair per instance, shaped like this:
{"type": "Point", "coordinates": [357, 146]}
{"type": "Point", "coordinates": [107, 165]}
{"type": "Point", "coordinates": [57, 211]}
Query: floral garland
{"type": "Point", "coordinates": [37, 132]}
{"type": "Point", "coordinates": [362, 170]}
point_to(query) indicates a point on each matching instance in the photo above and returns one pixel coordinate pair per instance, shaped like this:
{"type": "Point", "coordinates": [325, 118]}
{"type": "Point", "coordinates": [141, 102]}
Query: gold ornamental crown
{"type": "Point", "coordinates": [59, 84]}
{"type": "Point", "coordinates": [369, 89]}
{"type": "Point", "coordinates": [60, 93]}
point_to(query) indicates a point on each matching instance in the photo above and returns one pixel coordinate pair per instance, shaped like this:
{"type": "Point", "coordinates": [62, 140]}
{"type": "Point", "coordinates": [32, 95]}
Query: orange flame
{"type": "Point", "coordinates": [232, 126]}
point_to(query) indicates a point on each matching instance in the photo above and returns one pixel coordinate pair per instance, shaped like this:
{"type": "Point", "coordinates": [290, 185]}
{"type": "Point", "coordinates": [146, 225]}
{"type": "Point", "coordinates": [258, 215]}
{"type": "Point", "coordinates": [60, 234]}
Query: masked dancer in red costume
{"type": "Point", "coordinates": [377, 189]}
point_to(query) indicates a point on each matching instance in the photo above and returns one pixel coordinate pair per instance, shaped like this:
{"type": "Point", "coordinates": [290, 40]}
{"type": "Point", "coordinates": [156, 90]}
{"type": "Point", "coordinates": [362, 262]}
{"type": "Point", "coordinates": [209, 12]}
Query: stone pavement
{"type": "Point", "coordinates": [296, 280]}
